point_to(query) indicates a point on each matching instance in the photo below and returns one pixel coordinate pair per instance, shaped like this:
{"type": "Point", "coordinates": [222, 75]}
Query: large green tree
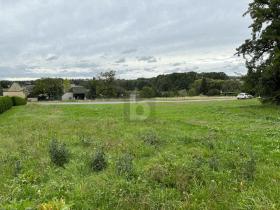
{"type": "Point", "coordinates": [106, 85]}
{"type": "Point", "coordinates": [262, 50]}
{"type": "Point", "coordinates": [51, 87]}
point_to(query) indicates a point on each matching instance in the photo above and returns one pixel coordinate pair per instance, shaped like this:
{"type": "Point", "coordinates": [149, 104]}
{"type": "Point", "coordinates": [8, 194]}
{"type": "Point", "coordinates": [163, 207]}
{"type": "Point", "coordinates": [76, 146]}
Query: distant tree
{"type": "Point", "coordinates": [106, 85]}
{"type": "Point", "coordinates": [53, 88]}
{"type": "Point", "coordinates": [215, 75]}
{"type": "Point", "coordinates": [213, 92]}
{"type": "Point", "coordinates": [92, 86]}
{"type": "Point", "coordinates": [231, 86]}
{"type": "Point", "coordinates": [262, 50]}
{"type": "Point", "coordinates": [203, 86]}
{"type": "Point", "coordinates": [66, 85]}
{"type": "Point", "coordinates": [5, 84]}
{"type": "Point", "coordinates": [147, 92]}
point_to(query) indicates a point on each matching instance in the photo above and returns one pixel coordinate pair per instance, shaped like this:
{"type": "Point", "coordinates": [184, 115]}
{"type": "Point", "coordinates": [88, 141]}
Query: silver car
{"type": "Point", "coordinates": [244, 96]}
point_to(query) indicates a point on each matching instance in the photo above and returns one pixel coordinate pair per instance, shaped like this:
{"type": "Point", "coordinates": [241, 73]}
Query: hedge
{"type": "Point", "coordinates": [18, 101]}
{"type": "Point", "coordinates": [5, 103]}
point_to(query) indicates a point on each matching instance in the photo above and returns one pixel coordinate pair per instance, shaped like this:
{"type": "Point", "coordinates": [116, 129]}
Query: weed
{"type": "Point", "coordinates": [59, 154]}
{"type": "Point", "coordinates": [150, 137]}
{"type": "Point", "coordinates": [98, 161]}
{"type": "Point", "coordinates": [214, 163]}
{"type": "Point", "coordinates": [17, 168]}
{"type": "Point", "coordinates": [124, 165]}
{"type": "Point", "coordinates": [249, 169]}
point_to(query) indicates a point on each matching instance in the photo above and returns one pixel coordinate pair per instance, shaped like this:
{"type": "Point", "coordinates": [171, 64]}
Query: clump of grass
{"type": "Point", "coordinates": [55, 204]}
{"type": "Point", "coordinates": [85, 141]}
{"type": "Point", "coordinates": [124, 166]}
{"type": "Point", "coordinates": [214, 163]}
{"type": "Point", "coordinates": [151, 138]}
{"type": "Point", "coordinates": [17, 168]}
{"type": "Point", "coordinates": [59, 154]}
{"type": "Point", "coordinates": [249, 169]}
{"type": "Point", "coordinates": [172, 176]}
{"type": "Point", "coordinates": [98, 161]}
{"type": "Point", "coordinates": [160, 174]}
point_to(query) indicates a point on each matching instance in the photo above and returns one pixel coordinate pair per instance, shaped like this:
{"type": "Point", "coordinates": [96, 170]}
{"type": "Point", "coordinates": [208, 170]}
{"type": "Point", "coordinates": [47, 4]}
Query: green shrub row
{"type": "Point", "coordinates": [7, 102]}
{"type": "Point", "coordinates": [18, 101]}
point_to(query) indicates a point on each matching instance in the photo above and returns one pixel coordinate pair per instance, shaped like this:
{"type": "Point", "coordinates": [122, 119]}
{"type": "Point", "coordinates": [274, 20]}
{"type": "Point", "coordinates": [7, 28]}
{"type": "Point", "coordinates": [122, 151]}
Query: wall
{"type": "Point", "coordinates": [19, 94]}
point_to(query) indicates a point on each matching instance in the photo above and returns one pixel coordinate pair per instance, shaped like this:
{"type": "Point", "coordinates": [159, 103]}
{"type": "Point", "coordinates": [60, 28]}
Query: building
{"type": "Point", "coordinates": [15, 90]}
{"type": "Point", "coordinates": [75, 93]}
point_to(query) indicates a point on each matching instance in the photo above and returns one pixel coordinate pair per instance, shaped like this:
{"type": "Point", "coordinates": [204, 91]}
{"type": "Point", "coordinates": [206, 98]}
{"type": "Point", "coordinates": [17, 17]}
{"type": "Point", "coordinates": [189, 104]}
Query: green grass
{"type": "Point", "coordinates": [200, 155]}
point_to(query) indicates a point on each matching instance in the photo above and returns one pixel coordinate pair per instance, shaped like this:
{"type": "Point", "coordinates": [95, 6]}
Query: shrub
{"type": "Point", "coordinates": [147, 92]}
{"type": "Point", "coordinates": [18, 101]}
{"type": "Point", "coordinates": [58, 153]}
{"type": "Point", "coordinates": [151, 138]}
{"type": "Point", "coordinates": [213, 92]}
{"type": "Point", "coordinates": [124, 165]}
{"type": "Point", "coordinates": [5, 104]}
{"type": "Point", "coordinates": [98, 161]}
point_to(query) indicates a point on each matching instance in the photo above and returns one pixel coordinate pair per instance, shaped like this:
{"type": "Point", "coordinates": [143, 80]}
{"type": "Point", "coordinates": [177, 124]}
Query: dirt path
{"type": "Point", "coordinates": [138, 101]}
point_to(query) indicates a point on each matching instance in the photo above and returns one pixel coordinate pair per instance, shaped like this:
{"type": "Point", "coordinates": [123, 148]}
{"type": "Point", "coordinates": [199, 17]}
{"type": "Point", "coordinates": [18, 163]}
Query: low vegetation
{"type": "Point", "coordinates": [59, 154]}
{"type": "Point", "coordinates": [5, 104]}
{"type": "Point", "coordinates": [18, 101]}
{"type": "Point", "coordinates": [200, 155]}
{"type": "Point", "coordinates": [98, 161]}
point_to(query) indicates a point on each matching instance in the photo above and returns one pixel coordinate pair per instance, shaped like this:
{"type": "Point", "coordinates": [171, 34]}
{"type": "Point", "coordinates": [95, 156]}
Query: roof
{"type": "Point", "coordinates": [78, 90]}
{"type": "Point", "coordinates": [15, 87]}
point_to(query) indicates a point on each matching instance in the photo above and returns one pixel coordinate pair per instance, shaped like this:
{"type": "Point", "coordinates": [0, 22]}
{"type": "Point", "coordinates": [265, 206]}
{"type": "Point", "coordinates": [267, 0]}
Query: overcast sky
{"type": "Point", "coordinates": [136, 38]}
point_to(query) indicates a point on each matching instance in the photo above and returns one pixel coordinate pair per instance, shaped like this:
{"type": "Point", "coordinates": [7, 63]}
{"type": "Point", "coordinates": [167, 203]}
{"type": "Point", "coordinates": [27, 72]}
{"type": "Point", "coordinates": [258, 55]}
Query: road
{"type": "Point", "coordinates": [138, 101]}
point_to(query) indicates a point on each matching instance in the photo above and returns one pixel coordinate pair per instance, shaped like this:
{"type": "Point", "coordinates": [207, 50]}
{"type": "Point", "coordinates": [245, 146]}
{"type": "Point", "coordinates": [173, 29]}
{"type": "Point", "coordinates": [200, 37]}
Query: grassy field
{"type": "Point", "coordinates": [196, 155]}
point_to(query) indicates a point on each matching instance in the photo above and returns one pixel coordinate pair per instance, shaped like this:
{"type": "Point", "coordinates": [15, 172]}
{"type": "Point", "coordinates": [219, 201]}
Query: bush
{"type": "Point", "coordinates": [18, 101]}
{"type": "Point", "coordinates": [192, 92]}
{"type": "Point", "coordinates": [151, 138]}
{"type": "Point", "coordinates": [213, 92]}
{"type": "Point", "coordinates": [5, 104]}
{"type": "Point", "coordinates": [58, 153]}
{"type": "Point", "coordinates": [124, 166]}
{"type": "Point", "coordinates": [147, 92]}
{"type": "Point", "coordinates": [98, 161]}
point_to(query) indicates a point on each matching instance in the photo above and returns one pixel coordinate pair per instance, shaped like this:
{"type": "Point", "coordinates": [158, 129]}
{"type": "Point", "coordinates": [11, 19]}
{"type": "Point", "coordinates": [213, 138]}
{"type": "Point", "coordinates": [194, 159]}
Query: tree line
{"type": "Point", "coordinates": [106, 85]}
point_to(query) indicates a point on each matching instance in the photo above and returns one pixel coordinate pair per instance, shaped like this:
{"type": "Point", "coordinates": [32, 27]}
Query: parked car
{"type": "Point", "coordinates": [244, 96]}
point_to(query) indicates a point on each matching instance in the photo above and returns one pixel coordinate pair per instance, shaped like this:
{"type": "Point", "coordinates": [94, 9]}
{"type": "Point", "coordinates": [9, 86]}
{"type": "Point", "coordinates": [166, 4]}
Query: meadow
{"type": "Point", "coordinates": [195, 155]}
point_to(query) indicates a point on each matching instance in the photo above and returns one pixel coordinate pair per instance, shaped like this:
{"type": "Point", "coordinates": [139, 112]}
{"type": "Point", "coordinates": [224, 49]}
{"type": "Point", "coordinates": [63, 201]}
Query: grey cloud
{"type": "Point", "coordinates": [81, 30]}
{"type": "Point", "coordinates": [51, 57]}
{"type": "Point", "coordinates": [122, 60]}
{"type": "Point", "coordinates": [177, 64]}
{"type": "Point", "coordinates": [149, 59]}
{"type": "Point", "coordinates": [129, 51]}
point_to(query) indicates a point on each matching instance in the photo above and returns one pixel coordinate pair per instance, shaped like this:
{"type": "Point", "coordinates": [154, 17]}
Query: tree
{"type": "Point", "coordinates": [66, 85]}
{"type": "Point", "coordinates": [92, 85]}
{"type": "Point", "coordinates": [147, 92]}
{"type": "Point", "coordinates": [52, 88]}
{"type": "Point", "coordinates": [262, 50]}
{"type": "Point", "coordinates": [203, 86]}
{"type": "Point", "coordinates": [106, 84]}
{"type": "Point", "coordinates": [231, 86]}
